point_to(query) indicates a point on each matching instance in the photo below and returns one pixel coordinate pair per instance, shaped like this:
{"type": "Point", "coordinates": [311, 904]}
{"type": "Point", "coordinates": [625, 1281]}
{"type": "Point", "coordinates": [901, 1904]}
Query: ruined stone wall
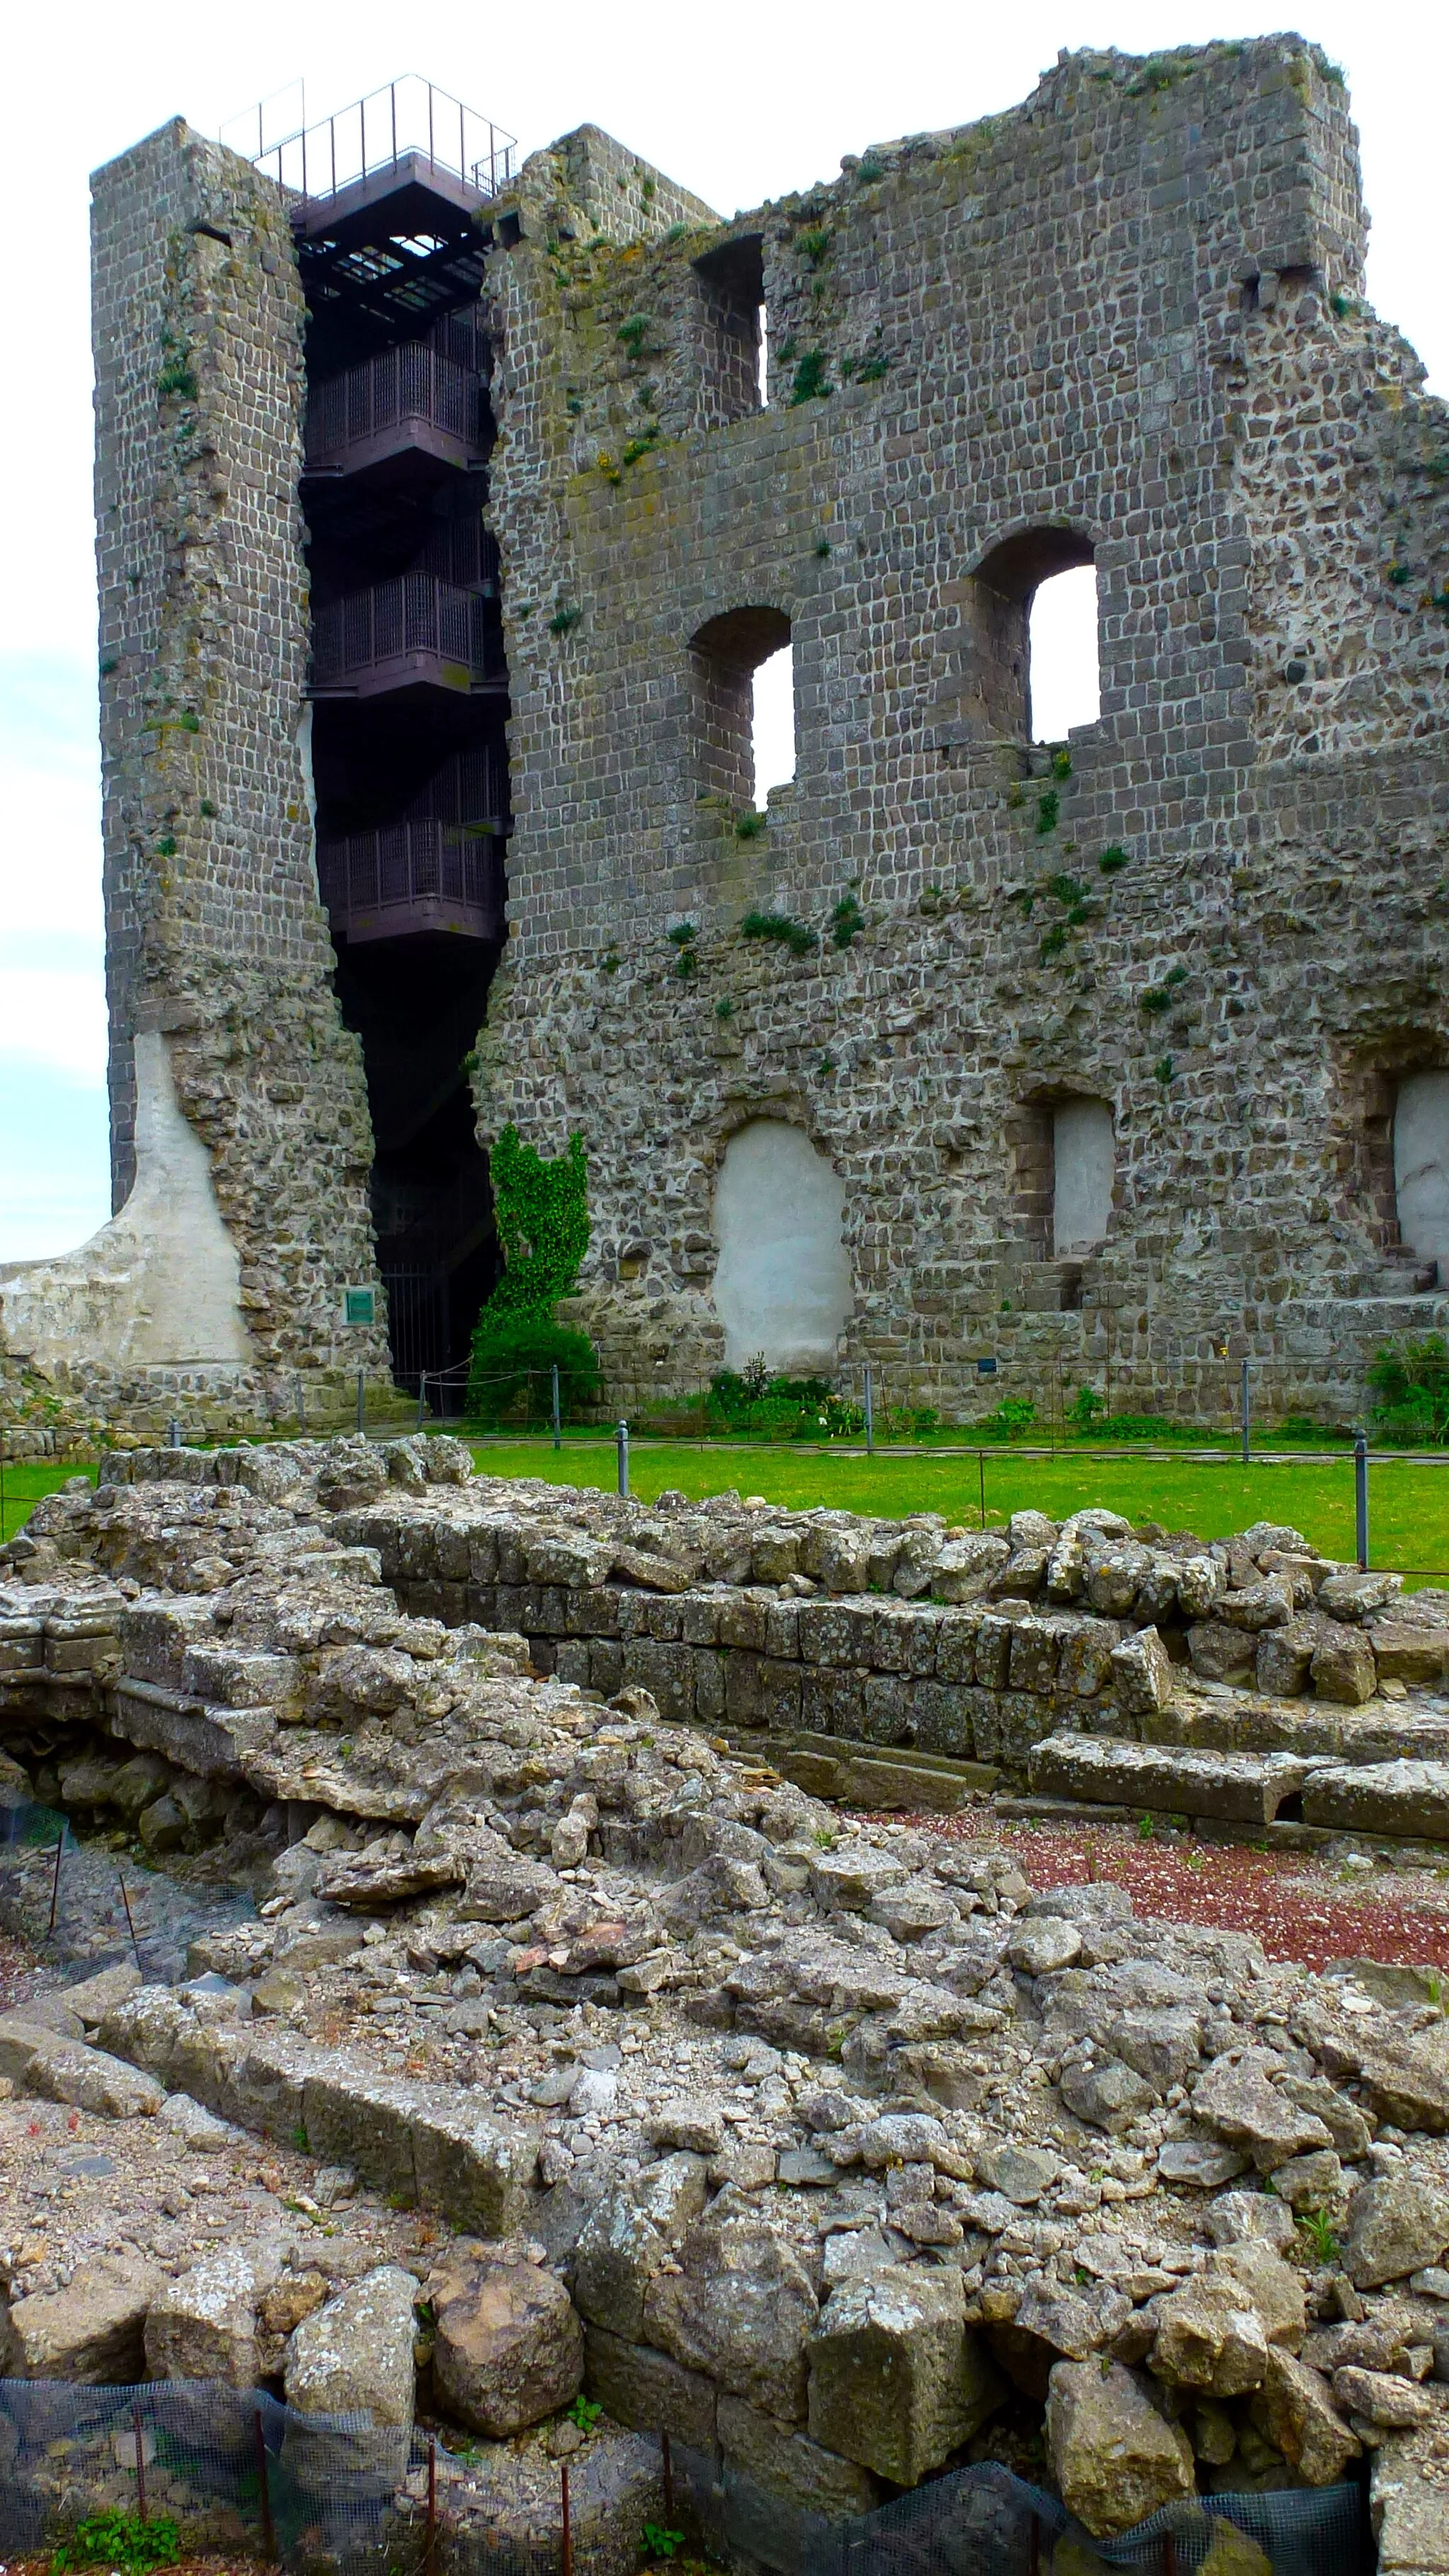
{"type": "Point", "coordinates": [215, 935]}
{"type": "Point", "coordinates": [1124, 319]}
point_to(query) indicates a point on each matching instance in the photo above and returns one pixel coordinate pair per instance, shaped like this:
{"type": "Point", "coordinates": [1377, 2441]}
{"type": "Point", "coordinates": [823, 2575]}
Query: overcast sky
{"type": "Point", "coordinates": [738, 103]}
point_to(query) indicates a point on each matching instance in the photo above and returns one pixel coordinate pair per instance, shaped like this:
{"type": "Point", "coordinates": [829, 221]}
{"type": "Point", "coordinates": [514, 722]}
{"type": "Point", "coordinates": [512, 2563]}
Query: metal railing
{"type": "Point", "coordinates": [409, 119]}
{"type": "Point", "coordinates": [410, 383]}
{"type": "Point", "coordinates": [413, 614]}
{"type": "Point", "coordinates": [404, 864]}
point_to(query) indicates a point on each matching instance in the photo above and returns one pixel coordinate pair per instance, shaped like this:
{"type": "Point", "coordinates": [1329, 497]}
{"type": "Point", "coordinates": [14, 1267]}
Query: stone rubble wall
{"type": "Point", "coordinates": [215, 934]}
{"type": "Point", "coordinates": [1131, 307]}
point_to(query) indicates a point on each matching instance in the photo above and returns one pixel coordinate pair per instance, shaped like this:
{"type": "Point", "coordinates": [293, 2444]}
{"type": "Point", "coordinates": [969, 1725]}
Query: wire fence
{"type": "Point", "coordinates": [233, 2469]}
{"type": "Point", "coordinates": [1029, 1403]}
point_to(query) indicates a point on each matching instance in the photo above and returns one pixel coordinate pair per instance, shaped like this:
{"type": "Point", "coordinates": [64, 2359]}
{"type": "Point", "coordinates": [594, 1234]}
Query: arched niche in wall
{"type": "Point", "coordinates": [782, 1284]}
{"type": "Point", "coordinates": [993, 685]}
{"type": "Point", "coordinates": [1421, 1165]}
{"type": "Point", "coordinates": [724, 655]}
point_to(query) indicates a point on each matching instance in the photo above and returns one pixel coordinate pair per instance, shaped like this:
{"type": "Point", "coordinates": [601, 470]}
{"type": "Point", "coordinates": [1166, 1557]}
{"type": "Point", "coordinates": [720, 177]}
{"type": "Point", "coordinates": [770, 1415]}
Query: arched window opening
{"type": "Point", "coordinates": [1031, 661]}
{"type": "Point", "coordinates": [744, 725]}
{"type": "Point", "coordinates": [1063, 680]}
{"type": "Point", "coordinates": [1421, 1166]}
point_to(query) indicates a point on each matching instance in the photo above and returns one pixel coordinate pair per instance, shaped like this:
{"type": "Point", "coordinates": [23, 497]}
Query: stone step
{"type": "Point", "coordinates": [1234, 1721]}
{"type": "Point", "coordinates": [1238, 1788]}
{"type": "Point", "coordinates": [1401, 1800]}
{"type": "Point", "coordinates": [877, 1779]}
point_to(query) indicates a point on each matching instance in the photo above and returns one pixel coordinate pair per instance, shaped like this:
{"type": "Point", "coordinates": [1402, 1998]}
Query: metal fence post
{"type": "Point", "coordinates": [621, 1442]}
{"type": "Point", "coordinates": [1360, 1498]}
{"type": "Point", "coordinates": [130, 1918]}
{"type": "Point", "coordinates": [361, 1400]}
{"type": "Point", "coordinates": [140, 2465]}
{"type": "Point", "coordinates": [55, 1882]}
{"type": "Point", "coordinates": [869, 1414]}
{"type": "Point", "coordinates": [557, 1426]}
{"type": "Point", "coordinates": [422, 1397]}
{"type": "Point", "coordinates": [1246, 1416]}
{"type": "Point", "coordinates": [568, 2528]}
{"type": "Point", "coordinates": [173, 1433]}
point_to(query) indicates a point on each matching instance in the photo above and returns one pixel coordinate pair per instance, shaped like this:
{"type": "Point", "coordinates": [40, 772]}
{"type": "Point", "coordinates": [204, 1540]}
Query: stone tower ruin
{"type": "Point", "coordinates": [444, 519]}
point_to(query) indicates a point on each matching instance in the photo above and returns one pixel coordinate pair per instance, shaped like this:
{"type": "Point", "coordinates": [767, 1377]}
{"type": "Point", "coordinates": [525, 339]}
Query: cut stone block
{"type": "Point", "coordinates": [94, 2331]}
{"type": "Point", "coordinates": [897, 2381]}
{"type": "Point", "coordinates": [648, 2391]}
{"type": "Point", "coordinates": [510, 2348]}
{"type": "Point", "coordinates": [1115, 2459]}
{"type": "Point", "coordinates": [1246, 1788]}
{"type": "Point", "coordinates": [788, 2464]}
{"type": "Point", "coordinates": [355, 2355]}
{"type": "Point", "coordinates": [1405, 1798]}
{"type": "Point", "coordinates": [204, 2325]}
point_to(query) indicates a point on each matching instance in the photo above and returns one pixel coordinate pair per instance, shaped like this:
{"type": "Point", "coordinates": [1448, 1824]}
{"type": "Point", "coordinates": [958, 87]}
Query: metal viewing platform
{"type": "Point", "coordinates": [385, 203]}
{"type": "Point", "coordinates": [411, 632]}
{"type": "Point", "coordinates": [410, 129]}
{"type": "Point", "coordinates": [412, 878]}
{"type": "Point", "coordinates": [409, 397]}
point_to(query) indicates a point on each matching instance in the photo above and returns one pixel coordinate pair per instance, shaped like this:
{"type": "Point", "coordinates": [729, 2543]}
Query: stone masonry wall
{"type": "Point", "coordinates": [1124, 319]}
{"type": "Point", "coordinates": [215, 933]}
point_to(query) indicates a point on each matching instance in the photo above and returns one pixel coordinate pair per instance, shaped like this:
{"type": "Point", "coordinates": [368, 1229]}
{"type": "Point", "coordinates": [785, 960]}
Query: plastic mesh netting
{"type": "Point", "coordinates": [236, 2470]}
{"type": "Point", "coordinates": [985, 2517]}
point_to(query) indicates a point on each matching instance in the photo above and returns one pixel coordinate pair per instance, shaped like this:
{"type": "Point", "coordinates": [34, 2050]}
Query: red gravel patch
{"type": "Point", "coordinates": [1297, 1908]}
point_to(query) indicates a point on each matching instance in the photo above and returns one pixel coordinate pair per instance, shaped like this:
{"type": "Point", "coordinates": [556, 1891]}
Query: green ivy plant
{"type": "Point", "coordinates": [540, 1209]}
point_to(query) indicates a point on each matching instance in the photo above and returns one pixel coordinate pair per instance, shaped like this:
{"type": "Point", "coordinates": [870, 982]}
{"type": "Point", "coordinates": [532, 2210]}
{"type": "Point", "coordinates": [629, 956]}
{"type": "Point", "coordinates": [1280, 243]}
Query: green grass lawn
{"type": "Point", "coordinates": [1408, 1499]}
{"type": "Point", "coordinates": [22, 1486]}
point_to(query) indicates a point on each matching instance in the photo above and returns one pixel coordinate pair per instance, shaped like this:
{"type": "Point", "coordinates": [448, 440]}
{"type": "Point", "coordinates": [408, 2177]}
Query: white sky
{"type": "Point", "coordinates": [739, 106]}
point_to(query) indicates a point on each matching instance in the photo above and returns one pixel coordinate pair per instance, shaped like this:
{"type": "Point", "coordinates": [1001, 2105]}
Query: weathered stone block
{"type": "Point", "coordinates": [896, 2380]}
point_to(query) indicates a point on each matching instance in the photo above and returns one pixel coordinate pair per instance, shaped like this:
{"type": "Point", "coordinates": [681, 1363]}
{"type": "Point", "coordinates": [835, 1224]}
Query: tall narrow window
{"type": "Point", "coordinates": [772, 723]}
{"type": "Point", "coordinates": [1064, 684]}
{"type": "Point", "coordinates": [1083, 1157]}
{"type": "Point", "coordinates": [731, 330]}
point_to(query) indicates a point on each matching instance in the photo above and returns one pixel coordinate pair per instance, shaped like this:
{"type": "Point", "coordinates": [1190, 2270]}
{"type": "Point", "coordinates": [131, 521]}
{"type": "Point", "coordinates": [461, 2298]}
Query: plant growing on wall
{"type": "Point", "coordinates": [540, 1209]}
{"type": "Point", "coordinates": [794, 935]}
{"type": "Point", "coordinates": [847, 921]}
{"type": "Point", "coordinates": [811, 382]}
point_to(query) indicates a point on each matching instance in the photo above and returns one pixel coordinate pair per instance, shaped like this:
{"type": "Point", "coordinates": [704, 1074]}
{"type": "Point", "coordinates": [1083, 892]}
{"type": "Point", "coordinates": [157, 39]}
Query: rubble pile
{"type": "Point", "coordinates": [570, 2048]}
